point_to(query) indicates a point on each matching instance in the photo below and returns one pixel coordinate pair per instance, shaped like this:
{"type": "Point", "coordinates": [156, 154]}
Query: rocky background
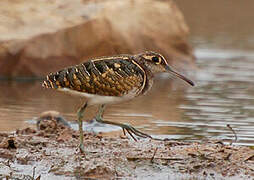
{"type": "Point", "coordinates": [40, 36]}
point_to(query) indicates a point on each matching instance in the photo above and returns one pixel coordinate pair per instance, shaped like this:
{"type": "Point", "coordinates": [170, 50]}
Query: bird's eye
{"type": "Point", "coordinates": [156, 59]}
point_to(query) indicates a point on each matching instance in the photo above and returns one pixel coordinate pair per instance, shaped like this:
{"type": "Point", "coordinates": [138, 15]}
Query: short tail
{"type": "Point", "coordinates": [51, 82]}
{"type": "Point", "coordinates": [46, 84]}
{"type": "Point", "coordinates": [67, 78]}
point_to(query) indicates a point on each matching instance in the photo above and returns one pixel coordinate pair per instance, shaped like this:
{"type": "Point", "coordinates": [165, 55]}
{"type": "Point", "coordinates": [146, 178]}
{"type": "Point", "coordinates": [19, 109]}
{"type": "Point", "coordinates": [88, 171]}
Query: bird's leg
{"type": "Point", "coordinates": [99, 115]}
{"type": "Point", "coordinates": [80, 114]}
{"type": "Point", "coordinates": [130, 130]}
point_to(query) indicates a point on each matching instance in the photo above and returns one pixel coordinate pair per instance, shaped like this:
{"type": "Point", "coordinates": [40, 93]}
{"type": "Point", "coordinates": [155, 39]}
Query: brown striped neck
{"type": "Point", "coordinates": [148, 73]}
{"type": "Point", "coordinates": [144, 65]}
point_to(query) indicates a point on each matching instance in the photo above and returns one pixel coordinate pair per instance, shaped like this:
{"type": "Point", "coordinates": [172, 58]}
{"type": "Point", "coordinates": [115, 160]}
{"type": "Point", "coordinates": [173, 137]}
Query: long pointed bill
{"type": "Point", "coordinates": [168, 69]}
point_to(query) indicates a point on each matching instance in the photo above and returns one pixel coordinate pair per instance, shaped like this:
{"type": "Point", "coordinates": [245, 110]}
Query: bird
{"type": "Point", "coordinates": [109, 80]}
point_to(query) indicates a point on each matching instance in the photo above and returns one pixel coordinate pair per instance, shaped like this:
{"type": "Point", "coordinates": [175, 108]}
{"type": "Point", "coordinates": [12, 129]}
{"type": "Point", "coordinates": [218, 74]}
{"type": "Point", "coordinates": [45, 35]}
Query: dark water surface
{"type": "Point", "coordinates": [222, 34]}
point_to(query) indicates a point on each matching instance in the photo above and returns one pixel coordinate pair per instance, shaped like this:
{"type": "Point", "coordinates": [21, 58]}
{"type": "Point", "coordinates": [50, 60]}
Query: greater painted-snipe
{"type": "Point", "coordinates": [109, 80]}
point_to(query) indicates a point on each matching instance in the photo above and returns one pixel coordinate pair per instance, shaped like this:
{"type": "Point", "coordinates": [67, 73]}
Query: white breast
{"type": "Point", "coordinates": [98, 99]}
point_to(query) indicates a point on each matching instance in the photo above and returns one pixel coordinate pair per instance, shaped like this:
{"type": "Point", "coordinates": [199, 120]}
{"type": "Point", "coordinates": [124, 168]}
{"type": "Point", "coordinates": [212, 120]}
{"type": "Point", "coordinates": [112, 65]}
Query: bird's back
{"type": "Point", "coordinates": [108, 76]}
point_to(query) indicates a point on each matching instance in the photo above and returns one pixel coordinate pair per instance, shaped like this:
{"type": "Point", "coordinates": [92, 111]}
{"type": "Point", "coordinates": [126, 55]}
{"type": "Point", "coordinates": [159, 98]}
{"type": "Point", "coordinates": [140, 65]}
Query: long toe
{"type": "Point", "coordinates": [133, 131]}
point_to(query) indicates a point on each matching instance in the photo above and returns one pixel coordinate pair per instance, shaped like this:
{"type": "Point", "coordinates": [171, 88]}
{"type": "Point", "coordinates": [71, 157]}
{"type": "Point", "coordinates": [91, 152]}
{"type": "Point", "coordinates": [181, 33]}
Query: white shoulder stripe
{"type": "Point", "coordinates": [144, 80]}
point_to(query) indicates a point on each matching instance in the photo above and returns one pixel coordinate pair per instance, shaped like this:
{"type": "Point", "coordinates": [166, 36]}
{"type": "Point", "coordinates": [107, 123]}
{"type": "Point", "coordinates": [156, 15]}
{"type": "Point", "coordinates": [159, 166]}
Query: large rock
{"type": "Point", "coordinates": [40, 36]}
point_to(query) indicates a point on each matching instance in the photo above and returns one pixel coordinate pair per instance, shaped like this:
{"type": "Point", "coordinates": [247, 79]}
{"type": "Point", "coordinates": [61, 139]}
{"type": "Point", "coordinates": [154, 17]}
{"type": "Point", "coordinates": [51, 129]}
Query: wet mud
{"type": "Point", "coordinates": [50, 152]}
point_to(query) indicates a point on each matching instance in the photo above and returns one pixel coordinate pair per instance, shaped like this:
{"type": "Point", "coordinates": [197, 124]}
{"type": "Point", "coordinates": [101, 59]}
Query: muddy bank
{"type": "Point", "coordinates": [52, 152]}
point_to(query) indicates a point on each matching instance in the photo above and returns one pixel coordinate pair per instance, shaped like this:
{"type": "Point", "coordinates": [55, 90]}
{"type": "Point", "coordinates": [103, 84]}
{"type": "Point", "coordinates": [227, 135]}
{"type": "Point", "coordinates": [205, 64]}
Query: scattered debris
{"type": "Point", "coordinates": [8, 142]}
{"type": "Point", "coordinates": [53, 152]}
{"type": "Point", "coordinates": [233, 131]}
{"type": "Point", "coordinates": [154, 155]}
{"type": "Point", "coordinates": [51, 118]}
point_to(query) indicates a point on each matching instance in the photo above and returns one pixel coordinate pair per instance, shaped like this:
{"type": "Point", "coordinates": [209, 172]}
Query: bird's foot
{"type": "Point", "coordinates": [126, 128]}
{"type": "Point", "coordinates": [133, 131]}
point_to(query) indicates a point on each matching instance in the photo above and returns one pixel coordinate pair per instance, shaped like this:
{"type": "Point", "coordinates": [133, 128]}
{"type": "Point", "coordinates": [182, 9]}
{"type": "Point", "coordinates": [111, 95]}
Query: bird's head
{"type": "Point", "coordinates": [157, 64]}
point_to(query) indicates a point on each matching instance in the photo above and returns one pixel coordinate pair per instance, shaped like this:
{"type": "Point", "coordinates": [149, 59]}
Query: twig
{"type": "Point", "coordinates": [160, 158]}
{"type": "Point", "coordinates": [153, 155]}
{"type": "Point", "coordinates": [233, 133]}
{"type": "Point", "coordinates": [228, 156]}
{"type": "Point", "coordinates": [33, 172]}
{"type": "Point", "coordinates": [249, 158]}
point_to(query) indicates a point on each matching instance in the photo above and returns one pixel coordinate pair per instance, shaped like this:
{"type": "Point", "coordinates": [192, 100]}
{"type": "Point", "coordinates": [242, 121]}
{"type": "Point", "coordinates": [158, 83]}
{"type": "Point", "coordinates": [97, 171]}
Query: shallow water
{"type": "Point", "coordinates": [223, 95]}
{"type": "Point", "coordinates": [222, 34]}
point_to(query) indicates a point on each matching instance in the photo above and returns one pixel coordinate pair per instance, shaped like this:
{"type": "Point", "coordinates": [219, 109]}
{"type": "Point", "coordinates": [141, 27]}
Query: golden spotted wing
{"type": "Point", "coordinates": [111, 76]}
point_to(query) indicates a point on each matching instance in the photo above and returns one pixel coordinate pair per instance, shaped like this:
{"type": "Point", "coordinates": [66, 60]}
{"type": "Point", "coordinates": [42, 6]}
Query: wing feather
{"type": "Point", "coordinates": [111, 76]}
